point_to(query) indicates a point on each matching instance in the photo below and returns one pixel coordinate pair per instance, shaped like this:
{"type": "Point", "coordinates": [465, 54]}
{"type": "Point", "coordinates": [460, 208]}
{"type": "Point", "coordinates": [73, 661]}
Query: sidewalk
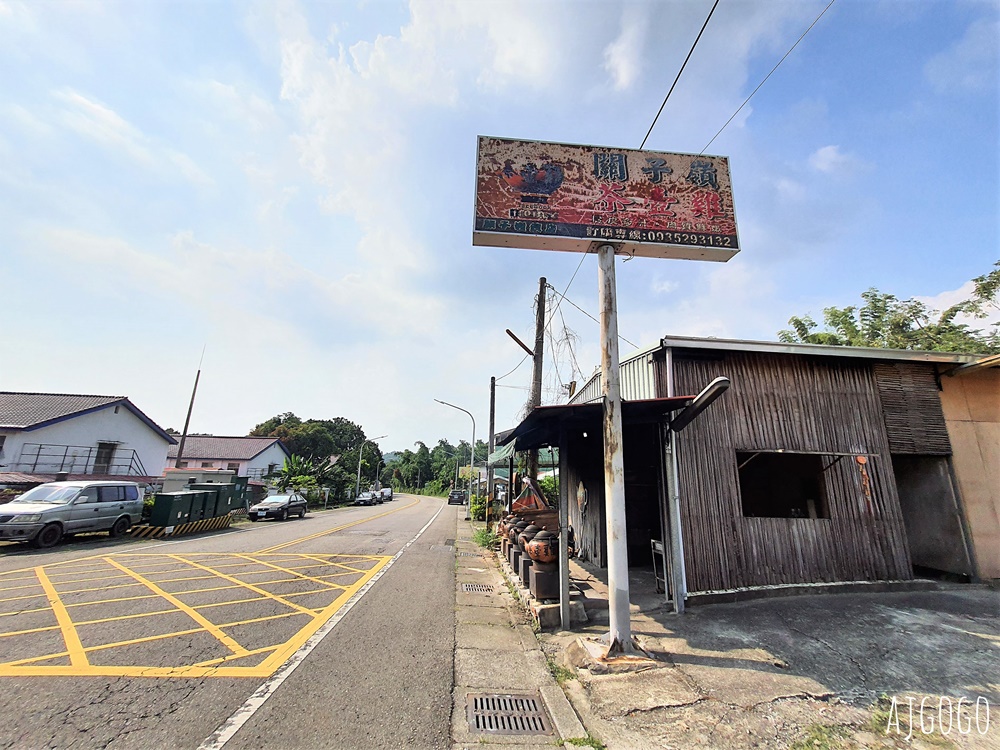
{"type": "Point", "coordinates": [497, 655]}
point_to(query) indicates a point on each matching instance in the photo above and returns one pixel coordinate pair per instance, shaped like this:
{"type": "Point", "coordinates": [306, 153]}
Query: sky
{"type": "Point", "coordinates": [289, 186]}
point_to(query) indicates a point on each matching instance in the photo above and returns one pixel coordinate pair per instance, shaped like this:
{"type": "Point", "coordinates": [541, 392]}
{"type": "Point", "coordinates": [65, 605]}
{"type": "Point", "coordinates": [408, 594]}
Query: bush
{"type": "Point", "coordinates": [477, 508]}
{"type": "Point", "coordinates": [486, 538]}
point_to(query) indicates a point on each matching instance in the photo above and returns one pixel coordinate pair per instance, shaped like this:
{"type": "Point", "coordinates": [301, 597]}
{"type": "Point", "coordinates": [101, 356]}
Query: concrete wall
{"type": "Point", "coordinates": [87, 430]}
{"type": "Point", "coordinates": [971, 404]}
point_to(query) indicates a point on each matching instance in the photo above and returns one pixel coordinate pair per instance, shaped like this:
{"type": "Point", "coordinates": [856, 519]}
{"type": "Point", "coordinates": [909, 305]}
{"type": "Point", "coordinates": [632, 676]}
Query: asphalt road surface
{"type": "Point", "coordinates": [334, 631]}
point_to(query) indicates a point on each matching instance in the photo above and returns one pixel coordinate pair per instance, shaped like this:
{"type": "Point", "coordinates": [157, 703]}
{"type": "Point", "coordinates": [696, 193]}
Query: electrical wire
{"type": "Point", "coordinates": [596, 320]}
{"type": "Point", "coordinates": [653, 124]}
{"type": "Point", "coordinates": [766, 77]}
{"type": "Point", "coordinates": [515, 369]}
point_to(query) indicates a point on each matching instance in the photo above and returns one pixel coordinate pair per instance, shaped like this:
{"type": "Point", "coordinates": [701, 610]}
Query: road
{"type": "Point", "coordinates": [334, 631]}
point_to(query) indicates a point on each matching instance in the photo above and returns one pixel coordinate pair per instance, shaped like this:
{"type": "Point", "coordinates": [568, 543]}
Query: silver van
{"type": "Point", "coordinates": [44, 514]}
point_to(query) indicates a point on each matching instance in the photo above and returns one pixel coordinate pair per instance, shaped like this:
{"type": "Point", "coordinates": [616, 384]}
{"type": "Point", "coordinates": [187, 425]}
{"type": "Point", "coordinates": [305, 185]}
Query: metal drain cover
{"type": "Point", "coordinates": [468, 554]}
{"type": "Point", "coordinates": [507, 714]}
{"type": "Point", "coordinates": [477, 588]}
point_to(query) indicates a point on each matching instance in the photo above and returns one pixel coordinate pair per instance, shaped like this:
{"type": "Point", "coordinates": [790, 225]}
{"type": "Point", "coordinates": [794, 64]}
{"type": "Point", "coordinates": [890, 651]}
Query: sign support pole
{"type": "Point", "coordinates": [619, 637]}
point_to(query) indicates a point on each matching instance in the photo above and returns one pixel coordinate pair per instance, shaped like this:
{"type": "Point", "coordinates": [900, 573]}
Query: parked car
{"type": "Point", "coordinates": [280, 507]}
{"type": "Point", "coordinates": [456, 497]}
{"type": "Point", "coordinates": [44, 514]}
{"type": "Point", "coordinates": [386, 493]}
{"type": "Point", "coordinates": [365, 498]}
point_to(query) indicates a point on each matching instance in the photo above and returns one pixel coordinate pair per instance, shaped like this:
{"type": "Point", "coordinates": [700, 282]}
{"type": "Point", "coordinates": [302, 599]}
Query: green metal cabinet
{"type": "Point", "coordinates": [171, 509]}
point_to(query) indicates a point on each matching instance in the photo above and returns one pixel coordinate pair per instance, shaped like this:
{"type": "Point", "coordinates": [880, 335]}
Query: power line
{"type": "Point", "coordinates": [653, 124]}
{"type": "Point", "coordinates": [595, 319]}
{"type": "Point", "coordinates": [515, 368]}
{"type": "Point", "coordinates": [766, 77]}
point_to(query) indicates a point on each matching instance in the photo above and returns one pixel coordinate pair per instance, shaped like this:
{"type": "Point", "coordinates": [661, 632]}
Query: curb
{"type": "Point", "coordinates": [566, 722]}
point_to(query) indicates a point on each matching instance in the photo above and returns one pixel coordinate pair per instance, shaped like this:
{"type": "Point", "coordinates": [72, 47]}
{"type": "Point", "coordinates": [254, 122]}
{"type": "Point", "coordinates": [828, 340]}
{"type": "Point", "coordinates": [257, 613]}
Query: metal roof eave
{"type": "Point", "coordinates": [545, 424]}
{"type": "Point", "coordinates": [823, 350]}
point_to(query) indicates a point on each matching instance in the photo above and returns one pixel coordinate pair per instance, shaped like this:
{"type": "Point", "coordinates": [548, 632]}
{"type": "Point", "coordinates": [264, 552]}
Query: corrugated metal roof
{"type": "Point", "coordinates": [225, 448]}
{"type": "Point", "coordinates": [21, 410]}
{"type": "Point", "coordinates": [777, 347]}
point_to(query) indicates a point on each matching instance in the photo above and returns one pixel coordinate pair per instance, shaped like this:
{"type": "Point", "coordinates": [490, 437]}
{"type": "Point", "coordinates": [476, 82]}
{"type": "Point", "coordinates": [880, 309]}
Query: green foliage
{"type": "Point", "coordinates": [562, 674]}
{"type": "Point", "coordinates": [885, 321]}
{"type": "Point", "coordinates": [550, 486]}
{"type": "Point", "coordinates": [588, 741]}
{"type": "Point", "coordinates": [477, 508]}
{"type": "Point", "coordinates": [821, 737]}
{"type": "Point", "coordinates": [486, 538]}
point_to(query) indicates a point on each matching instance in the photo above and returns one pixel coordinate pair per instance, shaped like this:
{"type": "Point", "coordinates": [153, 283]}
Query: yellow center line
{"type": "Point", "coordinates": [249, 586]}
{"type": "Point", "coordinates": [338, 528]}
{"type": "Point", "coordinates": [211, 627]}
{"type": "Point", "coordinates": [74, 647]}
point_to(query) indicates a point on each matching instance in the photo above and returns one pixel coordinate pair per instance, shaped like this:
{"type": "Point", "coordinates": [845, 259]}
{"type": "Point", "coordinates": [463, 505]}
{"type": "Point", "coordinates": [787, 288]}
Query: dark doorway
{"type": "Point", "coordinates": [642, 493]}
{"type": "Point", "coordinates": [102, 461]}
{"type": "Point", "coordinates": [934, 526]}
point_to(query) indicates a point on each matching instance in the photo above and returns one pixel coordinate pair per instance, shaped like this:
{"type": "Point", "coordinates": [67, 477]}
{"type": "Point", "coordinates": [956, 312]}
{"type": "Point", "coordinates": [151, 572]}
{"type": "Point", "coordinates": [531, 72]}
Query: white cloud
{"type": "Point", "coordinates": [831, 160]}
{"type": "Point", "coordinates": [623, 57]}
{"type": "Point", "coordinates": [102, 124]}
{"type": "Point", "coordinates": [971, 64]}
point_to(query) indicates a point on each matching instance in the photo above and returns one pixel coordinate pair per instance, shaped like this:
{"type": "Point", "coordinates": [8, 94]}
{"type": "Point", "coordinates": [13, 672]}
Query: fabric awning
{"type": "Point", "coordinates": [545, 423]}
{"type": "Point", "coordinates": [501, 454]}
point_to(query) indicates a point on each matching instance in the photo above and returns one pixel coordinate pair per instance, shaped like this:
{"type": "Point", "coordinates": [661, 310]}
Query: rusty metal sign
{"type": "Point", "coordinates": [552, 196]}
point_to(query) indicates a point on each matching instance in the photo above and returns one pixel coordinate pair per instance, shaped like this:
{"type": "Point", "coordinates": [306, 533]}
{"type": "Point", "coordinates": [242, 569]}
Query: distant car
{"type": "Point", "coordinates": [456, 497]}
{"type": "Point", "coordinates": [44, 514]}
{"type": "Point", "coordinates": [280, 507]}
{"type": "Point", "coordinates": [365, 498]}
{"type": "Point", "coordinates": [386, 493]}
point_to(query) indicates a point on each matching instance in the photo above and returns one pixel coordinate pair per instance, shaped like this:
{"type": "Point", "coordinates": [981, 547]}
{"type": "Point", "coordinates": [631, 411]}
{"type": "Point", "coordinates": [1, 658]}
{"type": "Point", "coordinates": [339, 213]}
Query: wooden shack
{"type": "Point", "coordinates": [820, 464]}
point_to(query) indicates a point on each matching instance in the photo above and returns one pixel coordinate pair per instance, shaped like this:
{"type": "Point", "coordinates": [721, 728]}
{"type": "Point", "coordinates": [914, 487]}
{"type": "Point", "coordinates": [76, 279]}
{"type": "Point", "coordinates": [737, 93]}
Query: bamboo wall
{"type": "Point", "coordinates": [793, 403]}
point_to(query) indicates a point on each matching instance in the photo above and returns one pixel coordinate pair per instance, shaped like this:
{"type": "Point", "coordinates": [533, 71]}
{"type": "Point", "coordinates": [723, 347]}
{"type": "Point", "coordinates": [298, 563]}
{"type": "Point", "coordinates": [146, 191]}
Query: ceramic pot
{"type": "Point", "coordinates": [515, 529]}
{"type": "Point", "coordinates": [526, 535]}
{"type": "Point", "coordinates": [543, 547]}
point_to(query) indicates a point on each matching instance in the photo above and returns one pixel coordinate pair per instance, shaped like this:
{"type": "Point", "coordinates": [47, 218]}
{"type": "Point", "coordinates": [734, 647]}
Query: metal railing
{"type": "Point", "coordinates": [49, 458]}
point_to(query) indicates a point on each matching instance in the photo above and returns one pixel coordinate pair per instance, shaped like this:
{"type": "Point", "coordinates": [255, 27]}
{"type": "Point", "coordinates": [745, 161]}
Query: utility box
{"type": "Point", "coordinates": [171, 509]}
{"type": "Point", "coordinates": [200, 499]}
{"type": "Point", "coordinates": [224, 500]}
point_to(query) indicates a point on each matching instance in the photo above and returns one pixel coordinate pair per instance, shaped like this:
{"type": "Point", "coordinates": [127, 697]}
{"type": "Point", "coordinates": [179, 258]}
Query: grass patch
{"type": "Point", "coordinates": [486, 538]}
{"type": "Point", "coordinates": [821, 737]}
{"type": "Point", "coordinates": [588, 741]}
{"type": "Point", "coordinates": [561, 673]}
{"type": "Point", "coordinates": [882, 714]}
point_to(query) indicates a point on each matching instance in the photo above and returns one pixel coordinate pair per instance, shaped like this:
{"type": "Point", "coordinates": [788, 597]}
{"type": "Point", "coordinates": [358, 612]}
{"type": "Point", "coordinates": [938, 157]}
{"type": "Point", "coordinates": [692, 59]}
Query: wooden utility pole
{"type": "Point", "coordinates": [536, 374]}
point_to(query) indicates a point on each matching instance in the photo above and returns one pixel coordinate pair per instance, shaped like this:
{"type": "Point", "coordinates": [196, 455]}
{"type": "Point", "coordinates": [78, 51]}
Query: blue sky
{"type": "Point", "coordinates": [291, 185]}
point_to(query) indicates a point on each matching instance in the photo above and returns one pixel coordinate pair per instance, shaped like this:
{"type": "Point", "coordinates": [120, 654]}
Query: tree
{"type": "Point", "coordinates": [885, 321]}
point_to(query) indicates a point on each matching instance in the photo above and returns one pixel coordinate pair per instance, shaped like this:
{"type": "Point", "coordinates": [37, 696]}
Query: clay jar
{"type": "Point", "coordinates": [543, 547]}
{"type": "Point", "coordinates": [526, 535]}
{"type": "Point", "coordinates": [515, 529]}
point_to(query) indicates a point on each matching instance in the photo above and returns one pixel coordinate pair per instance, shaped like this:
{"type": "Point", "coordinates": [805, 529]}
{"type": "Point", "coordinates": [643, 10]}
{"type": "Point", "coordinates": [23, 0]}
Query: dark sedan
{"type": "Point", "coordinates": [456, 497]}
{"type": "Point", "coordinates": [279, 506]}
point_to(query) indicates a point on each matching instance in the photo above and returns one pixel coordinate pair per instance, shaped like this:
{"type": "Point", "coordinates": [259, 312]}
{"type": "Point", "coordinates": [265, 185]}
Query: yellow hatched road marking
{"type": "Point", "coordinates": [192, 613]}
{"type": "Point", "coordinates": [77, 657]}
{"type": "Point", "coordinates": [290, 605]}
{"type": "Point", "coordinates": [303, 577]}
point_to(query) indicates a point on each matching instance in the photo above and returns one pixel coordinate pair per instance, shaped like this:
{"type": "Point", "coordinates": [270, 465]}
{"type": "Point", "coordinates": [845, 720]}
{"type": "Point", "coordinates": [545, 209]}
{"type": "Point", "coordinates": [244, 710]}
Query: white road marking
{"type": "Point", "coordinates": [244, 713]}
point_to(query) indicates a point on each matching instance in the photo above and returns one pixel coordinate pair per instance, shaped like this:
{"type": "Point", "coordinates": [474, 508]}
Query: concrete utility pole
{"type": "Point", "coordinates": [619, 637]}
{"type": "Point", "coordinates": [491, 447]}
{"type": "Point", "coordinates": [536, 373]}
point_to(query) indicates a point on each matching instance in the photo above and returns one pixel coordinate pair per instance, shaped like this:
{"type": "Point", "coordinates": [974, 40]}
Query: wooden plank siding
{"type": "Point", "coordinates": [796, 404]}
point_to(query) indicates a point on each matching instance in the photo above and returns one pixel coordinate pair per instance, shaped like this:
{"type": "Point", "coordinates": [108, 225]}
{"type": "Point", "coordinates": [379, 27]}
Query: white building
{"type": "Point", "coordinates": [42, 434]}
{"type": "Point", "coordinates": [253, 457]}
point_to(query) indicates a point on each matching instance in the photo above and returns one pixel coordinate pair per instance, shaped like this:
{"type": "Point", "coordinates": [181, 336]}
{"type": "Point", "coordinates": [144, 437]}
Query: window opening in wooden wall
{"type": "Point", "coordinates": [782, 485]}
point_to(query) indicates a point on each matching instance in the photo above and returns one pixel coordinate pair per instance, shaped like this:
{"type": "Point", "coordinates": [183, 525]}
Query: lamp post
{"type": "Point", "coordinates": [357, 487]}
{"type": "Point", "coordinates": [472, 451]}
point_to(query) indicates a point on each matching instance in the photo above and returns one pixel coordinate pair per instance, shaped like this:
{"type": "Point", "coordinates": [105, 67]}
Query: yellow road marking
{"type": "Point", "coordinates": [303, 577]}
{"type": "Point", "coordinates": [338, 528]}
{"type": "Point", "coordinates": [290, 605]}
{"type": "Point", "coordinates": [192, 613]}
{"type": "Point", "coordinates": [223, 659]}
{"type": "Point", "coordinates": [77, 657]}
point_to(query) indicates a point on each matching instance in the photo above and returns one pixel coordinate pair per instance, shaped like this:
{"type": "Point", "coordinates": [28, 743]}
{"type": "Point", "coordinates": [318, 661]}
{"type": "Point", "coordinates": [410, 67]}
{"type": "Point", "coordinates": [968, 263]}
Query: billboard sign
{"type": "Point", "coordinates": [552, 196]}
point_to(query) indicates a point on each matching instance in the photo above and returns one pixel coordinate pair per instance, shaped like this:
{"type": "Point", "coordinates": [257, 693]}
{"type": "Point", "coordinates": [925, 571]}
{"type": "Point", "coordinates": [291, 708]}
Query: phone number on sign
{"type": "Point", "coordinates": [685, 238]}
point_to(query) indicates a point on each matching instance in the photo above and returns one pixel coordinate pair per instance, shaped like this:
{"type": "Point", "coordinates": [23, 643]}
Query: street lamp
{"type": "Point", "coordinates": [357, 487]}
{"type": "Point", "coordinates": [472, 451]}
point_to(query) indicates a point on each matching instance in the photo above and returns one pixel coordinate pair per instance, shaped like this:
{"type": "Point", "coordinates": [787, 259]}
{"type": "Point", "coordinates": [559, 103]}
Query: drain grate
{"type": "Point", "coordinates": [507, 714]}
{"type": "Point", "coordinates": [477, 588]}
{"type": "Point", "coordinates": [468, 554]}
